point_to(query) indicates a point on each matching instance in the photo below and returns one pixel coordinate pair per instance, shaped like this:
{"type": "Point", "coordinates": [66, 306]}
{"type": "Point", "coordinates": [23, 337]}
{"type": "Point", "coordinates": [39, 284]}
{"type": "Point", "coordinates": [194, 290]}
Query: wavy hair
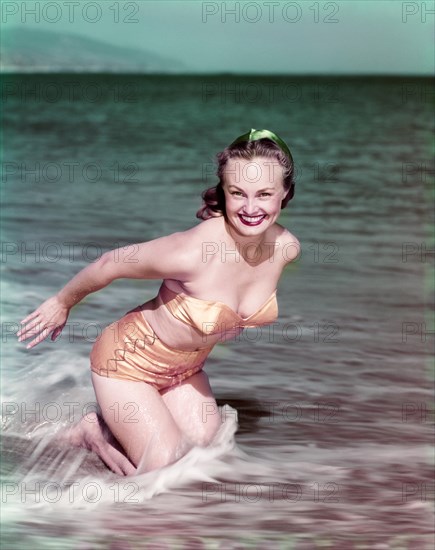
{"type": "Point", "coordinates": [214, 197]}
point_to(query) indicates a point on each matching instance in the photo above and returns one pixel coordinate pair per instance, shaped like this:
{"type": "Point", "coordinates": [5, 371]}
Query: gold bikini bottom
{"type": "Point", "coordinates": [129, 349]}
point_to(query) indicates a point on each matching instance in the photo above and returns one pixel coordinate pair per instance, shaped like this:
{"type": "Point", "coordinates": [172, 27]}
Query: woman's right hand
{"type": "Point", "coordinates": [50, 316]}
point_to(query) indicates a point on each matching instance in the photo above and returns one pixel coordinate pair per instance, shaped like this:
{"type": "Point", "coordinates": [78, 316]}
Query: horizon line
{"type": "Point", "coordinates": [217, 73]}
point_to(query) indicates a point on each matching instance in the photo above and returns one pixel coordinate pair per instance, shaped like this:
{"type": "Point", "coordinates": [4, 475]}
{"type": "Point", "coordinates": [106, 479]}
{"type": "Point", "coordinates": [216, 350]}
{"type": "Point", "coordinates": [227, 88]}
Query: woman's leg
{"type": "Point", "coordinates": [92, 433]}
{"type": "Point", "coordinates": [191, 405]}
{"type": "Point", "coordinates": [194, 408]}
{"type": "Point", "coordinates": [138, 417]}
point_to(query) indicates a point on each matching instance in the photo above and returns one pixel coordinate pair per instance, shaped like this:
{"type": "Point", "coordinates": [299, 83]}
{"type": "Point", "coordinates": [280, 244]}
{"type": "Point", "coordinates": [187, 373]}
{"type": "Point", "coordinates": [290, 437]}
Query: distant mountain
{"type": "Point", "coordinates": [28, 50]}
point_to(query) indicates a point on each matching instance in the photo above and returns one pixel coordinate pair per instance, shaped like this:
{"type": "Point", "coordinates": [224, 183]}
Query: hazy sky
{"type": "Point", "coordinates": [345, 36]}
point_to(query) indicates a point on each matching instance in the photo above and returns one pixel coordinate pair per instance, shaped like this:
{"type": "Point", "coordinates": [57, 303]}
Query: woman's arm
{"type": "Point", "coordinates": [169, 256]}
{"type": "Point", "coordinates": [51, 316]}
{"type": "Point", "coordinates": [174, 256]}
{"type": "Point", "coordinates": [90, 279]}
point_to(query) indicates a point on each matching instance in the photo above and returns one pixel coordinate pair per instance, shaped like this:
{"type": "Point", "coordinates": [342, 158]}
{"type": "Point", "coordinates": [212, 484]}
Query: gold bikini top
{"type": "Point", "coordinates": [213, 317]}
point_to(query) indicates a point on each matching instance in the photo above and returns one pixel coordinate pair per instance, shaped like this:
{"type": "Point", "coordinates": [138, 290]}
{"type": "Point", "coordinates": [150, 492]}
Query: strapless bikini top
{"type": "Point", "coordinates": [212, 317]}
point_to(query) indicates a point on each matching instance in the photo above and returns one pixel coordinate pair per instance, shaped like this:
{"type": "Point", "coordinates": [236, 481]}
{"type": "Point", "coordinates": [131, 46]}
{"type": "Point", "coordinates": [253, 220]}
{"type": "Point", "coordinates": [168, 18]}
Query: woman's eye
{"type": "Point", "coordinates": [261, 194]}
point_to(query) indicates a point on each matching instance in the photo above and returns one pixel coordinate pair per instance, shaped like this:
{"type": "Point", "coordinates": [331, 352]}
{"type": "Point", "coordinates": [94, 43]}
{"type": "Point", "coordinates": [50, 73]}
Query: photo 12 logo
{"type": "Point", "coordinates": [71, 12]}
{"type": "Point", "coordinates": [417, 11]}
{"type": "Point", "coordinates": [270, 12]}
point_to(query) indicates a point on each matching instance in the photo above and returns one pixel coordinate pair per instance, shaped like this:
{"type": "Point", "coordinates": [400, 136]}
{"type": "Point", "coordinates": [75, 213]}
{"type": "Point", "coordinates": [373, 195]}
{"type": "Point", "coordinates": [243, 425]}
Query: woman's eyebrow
{"type": "Point", "coordinates": [264, 189]}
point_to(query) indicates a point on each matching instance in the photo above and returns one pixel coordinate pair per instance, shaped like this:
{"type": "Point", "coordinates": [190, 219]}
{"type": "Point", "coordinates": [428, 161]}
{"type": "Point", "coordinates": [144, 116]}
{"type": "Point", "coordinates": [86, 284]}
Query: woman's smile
{"type": "Point", "coordinates": [251, 220]}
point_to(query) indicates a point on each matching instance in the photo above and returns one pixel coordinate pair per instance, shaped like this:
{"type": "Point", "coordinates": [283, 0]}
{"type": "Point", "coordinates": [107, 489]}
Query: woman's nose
{"type": "Point", "coordinates": [250, 205]}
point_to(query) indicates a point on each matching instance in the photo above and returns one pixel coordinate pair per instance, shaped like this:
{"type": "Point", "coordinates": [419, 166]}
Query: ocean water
{"type": "Point", "coordinates": [327, 417]}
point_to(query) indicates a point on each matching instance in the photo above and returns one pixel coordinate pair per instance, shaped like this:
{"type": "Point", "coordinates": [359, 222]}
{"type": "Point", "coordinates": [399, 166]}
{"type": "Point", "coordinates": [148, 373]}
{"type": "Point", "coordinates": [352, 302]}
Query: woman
{"type": "Point", "coordinates": [218, 278]}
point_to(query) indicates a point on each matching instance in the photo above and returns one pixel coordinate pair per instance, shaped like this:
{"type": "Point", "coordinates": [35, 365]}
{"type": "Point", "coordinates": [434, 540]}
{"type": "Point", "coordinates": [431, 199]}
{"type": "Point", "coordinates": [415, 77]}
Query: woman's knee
{"type": "Point", "coordinates": [211, 422]}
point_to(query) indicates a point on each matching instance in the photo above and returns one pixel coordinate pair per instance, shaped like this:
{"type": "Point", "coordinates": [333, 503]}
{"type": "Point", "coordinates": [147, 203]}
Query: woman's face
{"type": "Point", "coordinates": [253, 192]}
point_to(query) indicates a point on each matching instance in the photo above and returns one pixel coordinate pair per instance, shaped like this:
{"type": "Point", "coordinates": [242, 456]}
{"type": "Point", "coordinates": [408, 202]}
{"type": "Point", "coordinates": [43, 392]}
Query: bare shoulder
{"type": "Point", "coordinates": [287, 244]}
{"type": "Point", "coordinates": [185, 246]}
{"type": "Point", "coordinates": [174, 256]}
{"type": "Point", "coordinates": [200, 232]}
{"type": "Point", "coordinates": [206, 227]}
{"type": "Point", "coordinates": [208, 231]}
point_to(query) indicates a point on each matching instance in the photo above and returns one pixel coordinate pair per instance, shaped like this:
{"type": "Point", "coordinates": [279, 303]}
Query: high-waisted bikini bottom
{"type": "Point", "coordinates": [129, 349]}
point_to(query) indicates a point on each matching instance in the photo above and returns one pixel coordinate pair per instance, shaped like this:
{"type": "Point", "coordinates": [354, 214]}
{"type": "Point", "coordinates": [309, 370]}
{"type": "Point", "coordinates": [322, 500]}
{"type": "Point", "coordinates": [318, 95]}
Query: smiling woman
{"type": "Point", "coordinates": [149, 363]}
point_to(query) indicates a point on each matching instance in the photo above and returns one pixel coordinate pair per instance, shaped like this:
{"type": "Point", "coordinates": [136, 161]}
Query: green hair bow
{"type": "Point", "coordinates": [254, 135]}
